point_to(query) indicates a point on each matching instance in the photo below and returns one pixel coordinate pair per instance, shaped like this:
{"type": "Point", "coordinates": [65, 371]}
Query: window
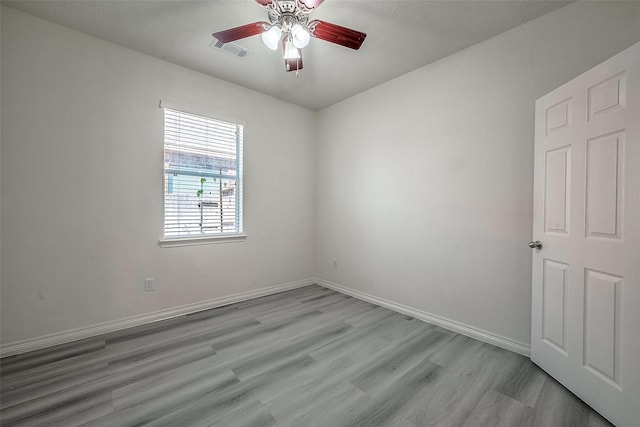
{"type": "Point", "coordinates": [202, 176]}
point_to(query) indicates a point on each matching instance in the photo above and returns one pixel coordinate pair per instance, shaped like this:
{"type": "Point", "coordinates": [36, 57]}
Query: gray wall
{"type": "Point", "coordinates": [82, 180]}
{"type": "Point", "coordinates": [424, 184]}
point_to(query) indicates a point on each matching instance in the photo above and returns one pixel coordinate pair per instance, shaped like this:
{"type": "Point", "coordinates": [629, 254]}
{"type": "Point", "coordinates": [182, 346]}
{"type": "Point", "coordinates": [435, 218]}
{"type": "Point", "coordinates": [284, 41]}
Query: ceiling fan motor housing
{"type": "Point", "coordinates": [287, 13]}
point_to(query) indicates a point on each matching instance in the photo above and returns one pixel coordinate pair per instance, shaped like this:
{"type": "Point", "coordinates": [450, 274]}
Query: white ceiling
{"type": "Point", "coordinates": [402, 35]}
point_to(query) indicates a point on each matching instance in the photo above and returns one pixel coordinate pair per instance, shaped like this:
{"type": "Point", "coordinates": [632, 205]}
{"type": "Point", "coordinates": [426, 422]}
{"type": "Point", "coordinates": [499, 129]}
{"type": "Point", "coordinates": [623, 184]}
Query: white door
{"type": "Point", "coordinates": [586, 275]}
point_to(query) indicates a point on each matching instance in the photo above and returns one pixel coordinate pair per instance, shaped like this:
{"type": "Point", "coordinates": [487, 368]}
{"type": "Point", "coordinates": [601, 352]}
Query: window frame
{"type": "Point", "coordinates": [205, 239]}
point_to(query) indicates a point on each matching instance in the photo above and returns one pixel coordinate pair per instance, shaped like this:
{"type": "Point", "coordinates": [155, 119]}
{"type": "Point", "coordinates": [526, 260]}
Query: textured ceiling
{"type": "Point", "coordinates": [401, 36]}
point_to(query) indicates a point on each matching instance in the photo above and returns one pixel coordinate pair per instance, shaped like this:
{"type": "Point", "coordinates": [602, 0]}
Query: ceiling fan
{"type": "Point", "coordinates": [289, 25]}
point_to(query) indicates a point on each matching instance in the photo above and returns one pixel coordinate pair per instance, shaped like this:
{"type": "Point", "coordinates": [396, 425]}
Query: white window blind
{"type": "Point", "coordinates": [202, 176]}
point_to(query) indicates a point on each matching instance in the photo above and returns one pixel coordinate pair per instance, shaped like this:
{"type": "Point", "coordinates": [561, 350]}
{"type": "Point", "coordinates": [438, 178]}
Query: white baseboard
{"type": "Point", "coordinates": [24, 346]}
{"type": "Point", "coordinates": [470, 331]}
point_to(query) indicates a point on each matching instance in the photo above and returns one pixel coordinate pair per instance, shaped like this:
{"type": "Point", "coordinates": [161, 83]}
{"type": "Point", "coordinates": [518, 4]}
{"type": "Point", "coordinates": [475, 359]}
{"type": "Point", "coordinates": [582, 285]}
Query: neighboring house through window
{"type": "Point", "coordinates": [202, 176]}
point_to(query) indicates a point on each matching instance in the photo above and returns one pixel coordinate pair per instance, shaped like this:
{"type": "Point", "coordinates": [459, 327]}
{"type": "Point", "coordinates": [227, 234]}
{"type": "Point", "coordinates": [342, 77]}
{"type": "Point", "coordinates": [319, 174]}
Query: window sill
{"type": "Point", "coordinates": [201, 240]}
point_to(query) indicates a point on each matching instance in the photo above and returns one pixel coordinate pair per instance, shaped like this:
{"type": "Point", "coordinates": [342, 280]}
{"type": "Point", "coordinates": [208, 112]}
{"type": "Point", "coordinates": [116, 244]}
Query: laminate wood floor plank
{"type": "Point", "coordinates": [317, 295]}
{"type": "Point", "coordinates": [387, 405]}
{"type": "Point", "coordinates": [41, 357]}
{"type": "Point", "coordinates": [525, 383]}
{"type": "Point", "coordinates": [310, 357]}
{"type": "Point", "coordinates": [336, 406]}
{"type": "Point", "coordinates": [463, 381]}
{"type": "Point", "coordinates": [220, 403]}
{"type": "Point", "coordinates": [104, 381]}
{"type": "Point", "coordinates": [301, 308]}
{"type": "Point", "coordinates": [496, 409]}
{"type": "Point", "coordinates": [287, 348]}
{"type": "Point", "coordinates": [400, 326]}
{"type": "Point", "coordinates": [386, 370]}
{"type": "Point", "coordinates": [268, 345]}
{"type": "Point", "coordinates": [73, 413]}
{"type": "Point", "coordinates": [356, 345]}
{"type": "Point", "coordinates": [252, 414]}
{"type": "Point", "coordinates": [32, 376]}
{"type": "Point", "coordinates": [173, 324]}
{"type": "Point", "coordinates": [557, 407]}
{"type": "Point", "coordinates": [68, 379]}
{"type": "Point", "coordinates": [322, 377]}
{"type": "Point", "coordinates": [164, 400]}
{"type": "Point", "coordinates": [373, 316]}
{"type": "Point", "coordinates": [458, 346]}
{"type": "Point", "coordinates": [166, 382]}
{"type": "Point", "coordinates": [124, 351]}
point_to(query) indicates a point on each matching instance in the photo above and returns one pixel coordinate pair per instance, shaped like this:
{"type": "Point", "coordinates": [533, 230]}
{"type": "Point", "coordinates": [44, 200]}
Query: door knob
{"type": "Point", "coordinates": [535, 245]}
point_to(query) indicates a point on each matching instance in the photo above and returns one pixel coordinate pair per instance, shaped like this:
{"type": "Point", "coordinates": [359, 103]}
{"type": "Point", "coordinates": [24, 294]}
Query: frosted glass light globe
{"type": "Point", "coordinates": [271, 37]}
{"type": "Point", "coordinates": [300, 35]}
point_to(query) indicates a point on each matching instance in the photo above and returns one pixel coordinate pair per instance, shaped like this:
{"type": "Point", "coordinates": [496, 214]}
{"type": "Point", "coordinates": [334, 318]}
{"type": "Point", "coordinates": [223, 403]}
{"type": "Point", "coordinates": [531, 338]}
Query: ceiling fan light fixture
{"type": "Point", "coordinates": [300, 36]}
{"type": "Point", "coordinates": [290, 27]}
{"type": "Point", "coordinates": [271, 37]}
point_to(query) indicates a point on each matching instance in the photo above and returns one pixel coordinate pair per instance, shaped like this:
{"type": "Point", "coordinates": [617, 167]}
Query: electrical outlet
{"type": "Point", "coordinates": [148, 284]}
{"type": "Point", "coordinates": [334, 263]}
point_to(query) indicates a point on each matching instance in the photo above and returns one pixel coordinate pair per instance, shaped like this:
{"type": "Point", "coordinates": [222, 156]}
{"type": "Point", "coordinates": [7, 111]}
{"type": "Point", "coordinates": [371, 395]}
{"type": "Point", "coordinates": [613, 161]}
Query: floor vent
{"type": "Point", "coordinates": [229, 48]}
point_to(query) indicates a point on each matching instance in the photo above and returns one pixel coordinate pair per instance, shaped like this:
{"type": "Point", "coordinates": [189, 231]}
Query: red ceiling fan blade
{"type": "Point", "coordinates": [241, 32]}
{"type": "Point", "coordinates": [264, 2]}
{"type": "Point", "coordinates": [311, 4]}
{"type": "Point", "coordinates": [336, 34]}
{"type": "Point", "coordinates": [293, 64]}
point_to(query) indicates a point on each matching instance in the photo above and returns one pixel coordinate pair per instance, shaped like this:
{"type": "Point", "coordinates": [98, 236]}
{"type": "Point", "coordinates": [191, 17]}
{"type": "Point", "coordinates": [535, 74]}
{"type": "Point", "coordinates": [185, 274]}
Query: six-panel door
{"type": "Point", "coordinates": [586, 276]}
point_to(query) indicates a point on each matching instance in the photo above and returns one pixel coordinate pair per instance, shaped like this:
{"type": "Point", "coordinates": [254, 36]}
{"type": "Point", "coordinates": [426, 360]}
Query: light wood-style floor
{"type": "Point", "coordinates": [307, 357]}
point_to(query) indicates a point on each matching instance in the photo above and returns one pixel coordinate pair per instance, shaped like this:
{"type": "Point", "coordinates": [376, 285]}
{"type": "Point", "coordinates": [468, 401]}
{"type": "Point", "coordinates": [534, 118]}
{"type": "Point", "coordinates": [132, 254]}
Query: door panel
{"type": "Point", "coordinates": [602, 324]}
{"type": "Point", "coordinates": [554, 289]}
{"type": "Point", "coordinates": [605, 181]}
{"type": "Point", "coordinates": [557, 190]}
{"type": "Point", "coordinates": [586, 276]}
{"type": "Point", "coordinates": [607, 96]}
{"type": "Point", "coordinates": [557, 116]}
